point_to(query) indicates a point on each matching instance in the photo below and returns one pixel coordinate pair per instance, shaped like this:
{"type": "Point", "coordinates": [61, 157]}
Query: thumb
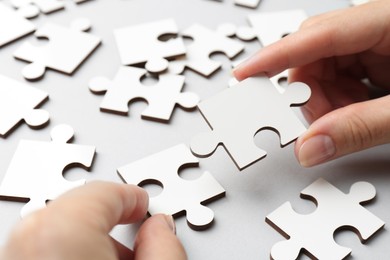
{"type": "Point", "coordinates": [346, 130]}
{"type": "Point", "coordinates": [156, 239]}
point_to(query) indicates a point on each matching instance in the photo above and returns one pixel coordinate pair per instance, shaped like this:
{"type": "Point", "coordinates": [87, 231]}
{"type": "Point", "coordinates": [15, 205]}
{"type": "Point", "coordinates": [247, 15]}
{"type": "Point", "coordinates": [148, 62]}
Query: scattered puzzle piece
{"type": "Point", "coordinates": [178, 195]}
{"type": "Point", "coordinates": [314, 232]}
{"type": "Point", "coordinates": [12, 25]}
{"type": "Point", "coordinates": [248, 3]}
{"type": "Point", "coordinates": [32, 8]}
{"type": "Point", "coordinates": [141, 43]}
{"type": "Point", "coordinates": [206, 42]}
{"type": "Point", "coordinates": [66, 50]}
{"type": "Point", "coordinates": [126, 86]}
{"type": "Point", "coordinates": [18, 102]}
{"type": "Point", "coordinates": [36, 169]}
{"type": "Point", "coordinates": [244, 33]}
{"type": "Point", "coordinates": [236, 114]}
{"type": "Point", "coordinates": [359, 2]}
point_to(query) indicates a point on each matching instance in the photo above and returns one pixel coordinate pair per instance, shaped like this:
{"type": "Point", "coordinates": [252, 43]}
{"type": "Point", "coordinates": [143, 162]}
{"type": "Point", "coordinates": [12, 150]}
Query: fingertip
{"type": "Point", "coordinates": [138, 196]}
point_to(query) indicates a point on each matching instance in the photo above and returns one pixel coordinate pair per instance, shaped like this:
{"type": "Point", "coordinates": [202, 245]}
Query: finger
{"type": "Point", "coordinates": [102, 205]}
{"type": "Point", "coordinates": [344, 131]}
{"type": "Point", "coordinates": [354, 31]}
{"type": "Point", "coordinates": [156, 239]}
{"type": "Point", "coordinates": [124, 253]}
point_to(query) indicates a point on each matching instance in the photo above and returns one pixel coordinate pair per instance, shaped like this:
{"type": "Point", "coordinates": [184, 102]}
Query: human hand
{"type": "Point", "coordinates": [332, 53]}
{"type": "Point", "coordinates": [76, 226]}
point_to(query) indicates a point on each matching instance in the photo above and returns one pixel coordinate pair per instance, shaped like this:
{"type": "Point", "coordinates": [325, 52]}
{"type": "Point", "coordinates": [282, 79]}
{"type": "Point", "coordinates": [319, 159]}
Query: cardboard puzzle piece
{"type": "Point", "coordinates": [314, 232]}
{"type": "Point", "coordinates": [244, 33]}
{"type": "Point", "coordinates": [248, 3]}
{"type": "Point", "coordinates": [236, 114]}
{"type": "Point", "coordinates": [12, 25]}
{"type": "Point", "coordinates": [65, 52]}
{"type": "Point", "coordinates": [178, 195]}
{"type": "Point", "coordinates": [142, 43]}
{"type": "Point", "coordinates": [36, 169]}
{"type": "Point", "coordinates": [19, 102]}
{"type": "Point", "coordinates": [126, 87]}
{"type": "Point", "coordinates": [359, 2]}
{"type": "Point", "coordinates": [206, 42]}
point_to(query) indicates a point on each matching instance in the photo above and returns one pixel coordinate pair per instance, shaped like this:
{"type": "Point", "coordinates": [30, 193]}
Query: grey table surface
{"type": "Point", "coordinates": [239, 231]}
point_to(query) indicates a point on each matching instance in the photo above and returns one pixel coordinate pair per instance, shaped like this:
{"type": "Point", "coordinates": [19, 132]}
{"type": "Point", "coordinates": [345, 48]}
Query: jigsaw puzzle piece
{"type": "Point", "coordinates": [126, 87]}
{"type": "Point", "coordinates": [314, 232]}
{"type": "Point", "coordinates": [178, 195]}
{"type": "Point", "coordinates": [147, 46]}
{"type": "Point", "coordinates": [66, 50]}
{"type": "Point", "coordinates": [32, 8]}
{"type": "Point", "coordinates": [206, 42]}
{"type": "Point", "coordinates": [12, 25]}
{"type": "Point", "coordinates": [236, 114]}
{"type": "Point", "coordinates": [248, 3]}
{"type": "Point", "coordinates": [19, 102]}
{"type": "Point", "coordinates": [36, 169]}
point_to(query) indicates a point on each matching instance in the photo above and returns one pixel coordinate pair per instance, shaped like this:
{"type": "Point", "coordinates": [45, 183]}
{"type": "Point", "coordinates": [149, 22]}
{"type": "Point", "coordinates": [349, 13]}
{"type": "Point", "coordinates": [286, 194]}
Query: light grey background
{"type": "Point", "coordinates": [239, 231]}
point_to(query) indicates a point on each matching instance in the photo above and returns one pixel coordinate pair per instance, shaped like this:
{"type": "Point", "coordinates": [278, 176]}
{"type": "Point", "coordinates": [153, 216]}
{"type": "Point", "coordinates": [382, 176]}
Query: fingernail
{"type": "Point", "coordinates": [171, 223]}
{"type": "Point", "coordinates": [316, 150]}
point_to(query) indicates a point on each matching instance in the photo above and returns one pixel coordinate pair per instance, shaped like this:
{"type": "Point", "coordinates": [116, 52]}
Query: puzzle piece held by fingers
{"type": "Point", "coordinates": [19, 102]}
{"type": "Point", "coordinates": [236, 114]}
{"type": "Point", "coordinates": [65, 52]}
{"type": "Point", "coordinates": [314, 232]}
{"type": "Point", "coordinates": [36, 170]}
{"type": "Point", "coordinates": [126, 87]}
{"type": "Point", "coordinates": [178, 195]}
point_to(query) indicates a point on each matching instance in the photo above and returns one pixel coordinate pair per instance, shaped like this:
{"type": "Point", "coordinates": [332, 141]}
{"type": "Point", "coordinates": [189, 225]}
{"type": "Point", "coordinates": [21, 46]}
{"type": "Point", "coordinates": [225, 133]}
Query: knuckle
{"type": "Point", "coordinates": [360, 133]}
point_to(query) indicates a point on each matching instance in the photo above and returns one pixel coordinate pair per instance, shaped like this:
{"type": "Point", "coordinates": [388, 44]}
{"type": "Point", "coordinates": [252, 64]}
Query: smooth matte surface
{"type": "Point", "coordinates": [240, 230]}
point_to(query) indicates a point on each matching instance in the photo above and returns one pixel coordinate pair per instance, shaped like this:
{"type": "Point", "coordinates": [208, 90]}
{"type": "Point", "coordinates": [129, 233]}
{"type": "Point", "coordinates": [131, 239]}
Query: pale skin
{"type": "Point", "coordinates": [332, 53]}
{"type": "Point", "coordinates": [77, 225]}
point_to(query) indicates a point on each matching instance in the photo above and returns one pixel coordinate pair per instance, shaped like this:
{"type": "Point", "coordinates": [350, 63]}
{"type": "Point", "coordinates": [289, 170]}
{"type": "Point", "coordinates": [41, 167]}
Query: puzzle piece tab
{"type": "Point", "coordinates": [178, 195]}
{"type": "Point", "coordinates": [126, 87]}
{"type": "Point", "coordinates": [19, 102]}
{"type": "Point", "coordinates": [142, 43]}
{"type": "Point", "coordinates": [36, 169]}
{"type": "Point", "coordinates": [12, 25]}
{"type": "Point", "coordinates": [238, 113]}
{"type": "Point", "coordinates": [314, 232]}
{"type": "Point", "coordinates": [65, 52]}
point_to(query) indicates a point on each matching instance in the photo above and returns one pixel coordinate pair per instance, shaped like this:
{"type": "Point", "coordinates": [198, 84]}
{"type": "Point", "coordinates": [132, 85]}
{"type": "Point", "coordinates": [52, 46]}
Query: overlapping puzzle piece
{"type": "Point", "coordinates": [36, 170]}
{"type": "Point", "coordinates": [65, 52]}
{"type": "Point", "coordinates": [12, 25]}
{"type": "Point", "coordinates": [314, 232]}
{"type": "Point", "coordinates": [141, 43]}
{"type": "Point", "coordinates": [178, 195]}
{"type": "Point", "coordinates": [19, 102]}
{"type": "Point", "coordinates": [236, 114]}
{"type": "Point", "coordinates": [126, 87]}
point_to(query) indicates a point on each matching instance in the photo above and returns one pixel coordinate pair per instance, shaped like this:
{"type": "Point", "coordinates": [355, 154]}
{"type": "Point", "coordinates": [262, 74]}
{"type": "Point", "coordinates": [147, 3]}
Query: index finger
{"type": "Point", "coordinates": [352, 31]}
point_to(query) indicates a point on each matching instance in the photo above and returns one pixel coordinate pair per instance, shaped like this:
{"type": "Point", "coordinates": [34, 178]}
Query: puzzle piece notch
{"type": "Point", "coordinates": [146, 45]}
{"type": "Point", "coordinates": [126, 87]}
{"type": "Point", "coordinates": [206, 42]}
{"type": "Point", "coordinates": [36, 169]}
{"type": "Point", "coordinates": [66, 50]}
{"type": "Point", "coordinates": [178, 195]}
{"type": "Point", "coordinates": [19, 102]}
{"type": "Point", "coordinates": [314, 232]}
{"type": "Point", "coordinates": [244, 33]}
{"type": "Point", "coordinates": [236, 114]}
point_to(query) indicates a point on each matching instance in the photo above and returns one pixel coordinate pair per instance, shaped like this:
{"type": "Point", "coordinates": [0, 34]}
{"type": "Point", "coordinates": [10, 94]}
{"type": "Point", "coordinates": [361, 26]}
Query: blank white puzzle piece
{"type": "Point", "coordinates": [18, 102]}
{"type": "Point", "coordinates": [236, 114]}
{"type": "Point", "coordinates": [314, 232]}
{"type": "Point", "coordinates": [65, 52]}
{"type": "Point", "coordinates": [206, 42]}
{"type": "Point", "coordinates": [248, 3]}
{"type": "Point", "coordinates": [141, 43]}
{"type": "Point", "coordinates": [126, 87]}
{"type": "Point", "coordinates": [178, 195]}
{"type": "Point", "coordinates": [12, 25]}
{"type": "Point", "coordinates": [359, 2]}
{"type": "Point", "coordinates": [36, 170]}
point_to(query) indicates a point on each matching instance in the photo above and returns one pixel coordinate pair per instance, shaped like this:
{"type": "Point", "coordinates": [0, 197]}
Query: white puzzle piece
{"type": "Point", "coordinates": [178, 195]}
{"type": "Point", "coordinates": [19, 102]}
{"type": "Point", "coordinates": [126, 87]}
{"type": "Point", "coordinates": [243, 33]}
{"type": "Point", "coordinates": [359, 2]}
{"type": "Point", "coordinates": [12, 25]}
{"type": "Point", "coordinates": [36, 170]}
{"type": "Point", "coordinates": [236, 114]}
{"type": "Point", "coordinates": [65, 52]}
{"type": "Point", "coordinates": [32, 8]}
{"type": "Point", "coordinates": [141, 43]}
{"type": "Point", "coordinates": [206, 42]}
{"type": "Point", "coordinates": [314, 232]}
{"type": "Point", "coordinates": [248, 3]}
